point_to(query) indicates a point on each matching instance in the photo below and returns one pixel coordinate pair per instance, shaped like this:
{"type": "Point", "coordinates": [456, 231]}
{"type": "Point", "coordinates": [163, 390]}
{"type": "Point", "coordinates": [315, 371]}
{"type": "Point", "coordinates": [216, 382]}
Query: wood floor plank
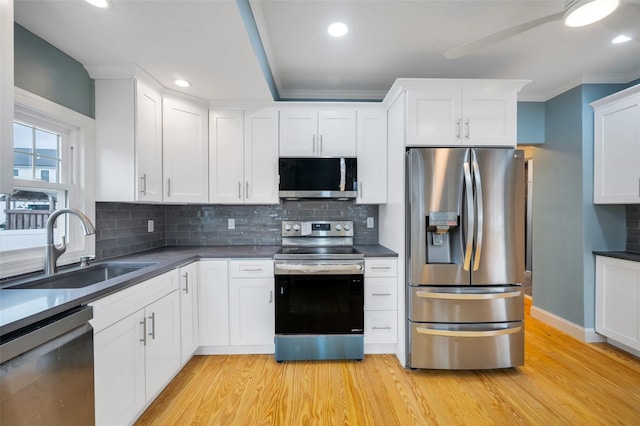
{"type": "Point", "coordinates": [563, 382]}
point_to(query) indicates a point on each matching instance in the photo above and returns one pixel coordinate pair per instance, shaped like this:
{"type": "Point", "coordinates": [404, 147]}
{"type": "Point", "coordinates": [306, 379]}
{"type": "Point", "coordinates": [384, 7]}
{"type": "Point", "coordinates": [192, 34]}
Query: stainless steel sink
{"type": "Point", "coordinates": [83, 277]}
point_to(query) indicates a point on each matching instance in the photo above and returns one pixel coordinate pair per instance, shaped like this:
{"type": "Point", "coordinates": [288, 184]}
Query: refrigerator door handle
{"type": "Point", "coordinates": [469, 333]}
{"type": "Point", "coordinates": [470, 215]}
{"type": "Point", "coordinates": [479, 205]}
{"type": "Point", "coordinates": [468, 296]}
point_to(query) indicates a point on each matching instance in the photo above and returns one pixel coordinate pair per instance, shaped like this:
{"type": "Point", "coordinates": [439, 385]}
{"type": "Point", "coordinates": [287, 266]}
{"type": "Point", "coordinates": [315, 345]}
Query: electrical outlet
{"type": "Point", "coordinates": [150, 225]}
{"type": "Point", "coordinates": [369, 222]}
{"type": "Point", "coordinates": [231, 223]}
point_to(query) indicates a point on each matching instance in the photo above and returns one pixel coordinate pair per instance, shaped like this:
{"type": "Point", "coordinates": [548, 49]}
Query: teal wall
{"type": "Point", "coordinates": [46, 71]}
{"type": "Point", "coordinates": [531, 123]}
{"type": "Point", "coordinates": [568, 226]}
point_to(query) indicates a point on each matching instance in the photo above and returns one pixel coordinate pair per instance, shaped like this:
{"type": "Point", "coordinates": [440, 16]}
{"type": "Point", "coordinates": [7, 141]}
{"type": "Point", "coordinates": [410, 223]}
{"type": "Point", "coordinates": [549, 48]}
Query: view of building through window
{"type": "Point", "coordinates": [24, 213]}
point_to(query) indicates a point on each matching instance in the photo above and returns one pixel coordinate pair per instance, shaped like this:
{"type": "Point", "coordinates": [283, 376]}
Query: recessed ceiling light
{"type": "Point", "coordinates": [338, 29]}
{"type": "Point", "coordinates": [102, 4]}
{"type": "Point", "coordinates": [182, 83]}
{"type": "Point", "coordinates": [585, 12]}
{"type": "Point", "coordinates": [620, 39]}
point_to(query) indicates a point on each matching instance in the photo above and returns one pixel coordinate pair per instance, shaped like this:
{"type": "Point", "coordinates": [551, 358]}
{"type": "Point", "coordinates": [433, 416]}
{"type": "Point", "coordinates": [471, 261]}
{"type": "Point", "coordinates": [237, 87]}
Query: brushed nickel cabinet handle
{"type": "Point", "coordinates": [186, 283]}
{"type": "Point", "coordinates": [144, 332]}
{"type": "Point", "coordinates": [169, 187]}
{"type": "Point", "coordinates": [153, 325]}
{"type": "Point", "coordinates": [246, 192]}
{"type": "Point", "coordinates": [381, 328]}
{"type": "Point", "coordinates": [381, 294]}
{"type": "Point", "coordinates": [144, 184]}
{"type": "Point", "coordinates": [239, 190]}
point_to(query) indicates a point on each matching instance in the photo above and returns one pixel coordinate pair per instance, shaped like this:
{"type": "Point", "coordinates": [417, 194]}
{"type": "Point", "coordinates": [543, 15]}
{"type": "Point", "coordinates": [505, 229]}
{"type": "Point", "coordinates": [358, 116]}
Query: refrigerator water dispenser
{"type": "Point", "coordinates": [440, 226]}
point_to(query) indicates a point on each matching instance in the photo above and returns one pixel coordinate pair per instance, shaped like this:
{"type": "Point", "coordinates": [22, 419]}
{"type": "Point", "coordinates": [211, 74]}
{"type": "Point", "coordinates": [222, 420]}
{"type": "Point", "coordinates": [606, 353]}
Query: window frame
{"type": "Point", "coordinates": [80, 187]}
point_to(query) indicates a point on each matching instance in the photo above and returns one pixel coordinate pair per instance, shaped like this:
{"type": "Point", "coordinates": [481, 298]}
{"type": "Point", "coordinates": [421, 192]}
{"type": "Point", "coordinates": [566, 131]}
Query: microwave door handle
{"type": "Point", "coordinates": [479, 206]}
{"type": "Point", "coordinates": [470, 214]}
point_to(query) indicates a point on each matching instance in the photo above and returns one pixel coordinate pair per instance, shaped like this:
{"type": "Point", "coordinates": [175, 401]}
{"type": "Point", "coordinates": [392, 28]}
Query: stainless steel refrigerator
{"type": "Point", "coordinates": [465, 258]}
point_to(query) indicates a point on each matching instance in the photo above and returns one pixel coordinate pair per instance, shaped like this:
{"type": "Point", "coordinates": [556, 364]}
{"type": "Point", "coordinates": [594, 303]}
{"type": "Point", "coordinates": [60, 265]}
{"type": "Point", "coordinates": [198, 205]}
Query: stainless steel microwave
{"type": "Point", "coordinates": [318, 178]}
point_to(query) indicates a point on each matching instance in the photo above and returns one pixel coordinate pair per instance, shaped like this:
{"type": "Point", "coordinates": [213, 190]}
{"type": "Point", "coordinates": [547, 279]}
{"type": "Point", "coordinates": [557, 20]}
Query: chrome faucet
{"type": "Point", "coordinates": [53, 252]}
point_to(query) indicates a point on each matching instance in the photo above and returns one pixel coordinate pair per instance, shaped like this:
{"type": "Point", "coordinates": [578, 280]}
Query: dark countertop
{"type": "Point", "coordinates": [625, 255]}
{"type": "Point", "coordinates": [23, 307]}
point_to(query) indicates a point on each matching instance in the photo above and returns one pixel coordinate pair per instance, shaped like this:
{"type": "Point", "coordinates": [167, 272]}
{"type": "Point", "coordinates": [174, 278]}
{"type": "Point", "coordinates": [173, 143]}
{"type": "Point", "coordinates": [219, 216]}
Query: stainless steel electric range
{"type": "Point", "coordinates": [319, 301]}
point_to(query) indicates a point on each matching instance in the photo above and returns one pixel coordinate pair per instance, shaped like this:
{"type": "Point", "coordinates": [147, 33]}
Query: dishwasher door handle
{"type": "Point", "coordinates": [39, 336]}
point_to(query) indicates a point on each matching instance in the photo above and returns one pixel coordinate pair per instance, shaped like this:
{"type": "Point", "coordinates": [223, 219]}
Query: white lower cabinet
{"type": "Point", "coordinates": [236, 306]}
{"type": "Point", "coordinates": [251, 302]}
{"type": "Point", "coordinates": [380, 304]}
{"type": "Point", "coordinates": [213, 302]}
{"type": "Point", "coordinates": [136, 347]}
{"type": "Point", "coordinates": [188, 311]}
{"type": "Point", "coordinates": [618, 301]}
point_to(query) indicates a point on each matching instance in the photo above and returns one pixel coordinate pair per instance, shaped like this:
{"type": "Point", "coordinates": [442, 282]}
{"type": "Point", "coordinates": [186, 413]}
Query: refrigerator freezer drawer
{"type": "Point", "coordinates": [466, 346]}
{"type": "Point", "coordinates": [466, 304]}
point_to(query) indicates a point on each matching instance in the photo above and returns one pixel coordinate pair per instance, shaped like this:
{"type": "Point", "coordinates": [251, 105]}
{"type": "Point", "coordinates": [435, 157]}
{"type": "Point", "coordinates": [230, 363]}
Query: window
{"type": "Point", "coordinates": [52, 168]}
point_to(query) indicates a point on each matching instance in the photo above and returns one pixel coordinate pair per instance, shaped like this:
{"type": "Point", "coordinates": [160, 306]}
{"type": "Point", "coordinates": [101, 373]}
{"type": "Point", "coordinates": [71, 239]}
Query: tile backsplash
{"type": "Point", "coordinates": [633, 227]}
{"type": "Point", "coordinates": [122, 227]}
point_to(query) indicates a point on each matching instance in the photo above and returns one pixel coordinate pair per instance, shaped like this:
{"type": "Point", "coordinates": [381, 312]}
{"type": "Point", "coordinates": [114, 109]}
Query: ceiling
{"type": "Point", "coordinates": [208, 43]}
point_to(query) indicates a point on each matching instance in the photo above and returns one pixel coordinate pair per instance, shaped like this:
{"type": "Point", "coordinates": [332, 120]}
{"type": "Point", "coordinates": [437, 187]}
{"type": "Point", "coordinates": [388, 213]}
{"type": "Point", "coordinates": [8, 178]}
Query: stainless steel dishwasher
{"type": "Point", "coordinates": [46, 372]}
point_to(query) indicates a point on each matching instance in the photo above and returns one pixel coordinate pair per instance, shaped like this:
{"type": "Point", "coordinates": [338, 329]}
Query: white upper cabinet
{"type": "Point", "coordinates": [457, 117]}
{"type": "Point", "coordinates": [6, 97]}
{"type": "Point", "coordinates": [243, 157]}
{"type": "Point", "coordinates": [458, 112]}
{"type": "Point", "coordinates": [312, 133]}
{"type": "Point", "coordinates": [148, 143]}
{"type": "Point", "coordinates": [185, 152]}
{"type": "Point", "coordinates": [372, 156]}
{"type": "Point", "coordinates": [149, 148]}
{"type": "Point", "coordinates": [617, 148]}
{"type": "Point", "coordinates": [128, 141]}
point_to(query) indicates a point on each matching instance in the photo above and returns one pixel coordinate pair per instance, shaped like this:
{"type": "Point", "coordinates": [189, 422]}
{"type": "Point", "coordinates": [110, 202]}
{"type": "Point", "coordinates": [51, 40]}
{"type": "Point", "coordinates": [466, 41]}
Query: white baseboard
{"type": "Point", "coordinates": [587, 335]}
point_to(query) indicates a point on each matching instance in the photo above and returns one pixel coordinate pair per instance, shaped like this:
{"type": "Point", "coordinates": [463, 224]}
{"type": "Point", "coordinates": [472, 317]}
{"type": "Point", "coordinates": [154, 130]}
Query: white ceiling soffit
{"type": "Point", "coordinates": [211, 44]}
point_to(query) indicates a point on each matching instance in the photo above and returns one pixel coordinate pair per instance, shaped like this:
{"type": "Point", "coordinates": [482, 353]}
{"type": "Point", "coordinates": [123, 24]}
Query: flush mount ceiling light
{"type": "Point", "coordinates": [182, 83]}
{"type": "Point", "coordinates": [585, 12]}
{"type": "Point", "coordinates": [337, 29]}
{"type": "Point", "coordinates": [102, 4]}
{"type": "Point", "coordinates": [620, 39]}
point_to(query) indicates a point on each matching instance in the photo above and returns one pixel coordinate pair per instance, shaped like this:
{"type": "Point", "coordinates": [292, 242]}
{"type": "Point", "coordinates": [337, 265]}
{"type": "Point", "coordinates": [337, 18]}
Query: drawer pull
{"type": "Point", "coordinates": [251, 269]}
{"type": "Point", "coordinates": [381, 267]}
{"type": "Point", "coordinates": [381, 328]}
{"type": "Point", "coordinates": [467, 296]}
{"type": "Point", "coordinates": [456, 333]}
{"type": "Point", "coordinates": [381, 294]}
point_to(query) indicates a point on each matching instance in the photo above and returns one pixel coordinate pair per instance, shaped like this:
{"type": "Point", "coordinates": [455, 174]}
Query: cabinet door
{"type": "Point", "coordinates": [489, 118]}
{"type": "Point", "coordinates": [226, 157]}
{"type": "Point", "coordinates": [618, 300]}
{"type": "Point", "coordinates": [372, 157]}
{"type": "Point", "coordinates": [162, 354]}
{"type": "Point", "coordinates": [298, 133]}
{"type": "Point", "coordinates": [148, 141]}
{"type": "Point", "coordinates": [185, 152]}
{"type": "Point", "coordinates": [337, 134]}
{"type": "Point", "coordinates": [261, 157]}
{"type": "Point", "coordinates": [213, 302]}
{"type": "Point", "coordinates": [434, 117]}
{"type": "Point", "coordinates": [617, 152]}
{"type": "Point", "coordinates": [188, 311]}
{"type": "Point", "coordinates": [119, 371]}
{"type": "Point", "coordinates": [251, 311]}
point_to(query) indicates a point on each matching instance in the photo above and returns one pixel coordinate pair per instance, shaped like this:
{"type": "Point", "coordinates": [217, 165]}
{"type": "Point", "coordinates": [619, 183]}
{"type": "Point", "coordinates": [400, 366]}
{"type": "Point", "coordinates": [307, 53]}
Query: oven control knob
{"type": "Point", "coordinates": [347, 226]}
{"type": "Point", "coordinates": [287, 227]}
{"type": "Point", "coordinates": [296, 227]}
{"type": "Point", "coordinates": [338, 227]}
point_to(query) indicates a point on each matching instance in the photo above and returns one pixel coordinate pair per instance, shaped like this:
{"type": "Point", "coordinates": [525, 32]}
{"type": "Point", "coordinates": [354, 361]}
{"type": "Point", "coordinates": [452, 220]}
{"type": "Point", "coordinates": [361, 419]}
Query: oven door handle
{"type": "Point", "coordinates": [318, 269]}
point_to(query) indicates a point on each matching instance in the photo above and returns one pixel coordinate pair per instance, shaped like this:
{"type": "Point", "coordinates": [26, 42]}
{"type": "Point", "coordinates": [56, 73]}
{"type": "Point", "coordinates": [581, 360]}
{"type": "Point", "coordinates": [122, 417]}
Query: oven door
{"type": "Point", "coordinates": [319, 304]}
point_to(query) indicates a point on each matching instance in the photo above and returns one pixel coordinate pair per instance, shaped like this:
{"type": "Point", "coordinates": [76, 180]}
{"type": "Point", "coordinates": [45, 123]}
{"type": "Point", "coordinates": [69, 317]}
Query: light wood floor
{"type": "Point", "coordinates": [563, 382]}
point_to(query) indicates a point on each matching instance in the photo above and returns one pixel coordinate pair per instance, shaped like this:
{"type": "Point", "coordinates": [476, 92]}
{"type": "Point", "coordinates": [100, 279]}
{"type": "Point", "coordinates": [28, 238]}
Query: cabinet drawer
{"type": "Point", "coordinates": [380, 267]}
{"type": "Point", "coordinates": [380, 326]}
{"type": "Point", "coordinates": [380, 294]}
{"type": "Point", "coordinates": [253, 268]}
{"type": "Point", "coordinates": [113, 308]}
